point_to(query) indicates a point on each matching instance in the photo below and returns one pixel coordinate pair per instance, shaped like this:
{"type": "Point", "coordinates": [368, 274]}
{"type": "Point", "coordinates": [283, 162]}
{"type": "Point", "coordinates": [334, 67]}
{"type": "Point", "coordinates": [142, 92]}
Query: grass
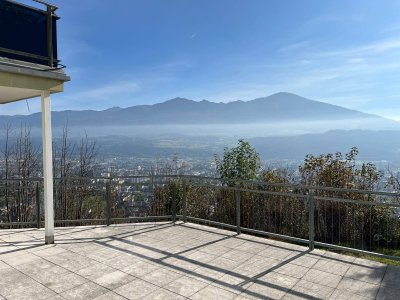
{"type": "Point", "coordinates": [385, 251]}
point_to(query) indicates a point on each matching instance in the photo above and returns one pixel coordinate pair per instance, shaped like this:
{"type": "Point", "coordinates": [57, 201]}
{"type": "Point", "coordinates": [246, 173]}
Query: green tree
{"type": "Point", "coordinates": [240, 162]}
{"type": "Point", "coordinates": [336, 170]}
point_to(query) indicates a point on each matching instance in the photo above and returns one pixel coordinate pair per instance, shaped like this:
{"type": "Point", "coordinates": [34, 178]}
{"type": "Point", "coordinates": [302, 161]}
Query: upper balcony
{"type": "Point", "coordinates": [29, 61]}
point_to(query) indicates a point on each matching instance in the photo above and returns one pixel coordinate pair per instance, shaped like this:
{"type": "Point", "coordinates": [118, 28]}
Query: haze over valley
{"type": "Point", "coordinates": [280, 126]}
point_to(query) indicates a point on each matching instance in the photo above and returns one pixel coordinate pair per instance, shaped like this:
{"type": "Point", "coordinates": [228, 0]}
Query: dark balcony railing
{"type": "Point", "coordinates": [28, 34]}
{"type": "Point", "coordinates": [360, 221]}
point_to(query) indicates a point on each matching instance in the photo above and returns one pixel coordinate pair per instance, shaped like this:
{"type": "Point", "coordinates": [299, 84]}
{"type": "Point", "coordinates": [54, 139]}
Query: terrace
{"type": "Point", "coordinates": [124, 254]}
{"type": "Point", "coordinates": [162, 252]}
{"type": "Point", "coordinates": [166, 260]}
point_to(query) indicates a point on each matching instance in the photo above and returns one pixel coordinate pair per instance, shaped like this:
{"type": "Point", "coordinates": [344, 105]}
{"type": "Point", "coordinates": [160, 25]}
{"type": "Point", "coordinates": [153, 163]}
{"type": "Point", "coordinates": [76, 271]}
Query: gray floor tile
{"type": "Point", "coordinates": [323, 278]}
{"type": "Point", "coordinates": [392, 277]}
{"type": "Point", "coordinates": [3, 265]}
{"type": "Point", "coordinates": [62, 283]}
{"type": "Point", "coordinates": [362, 288]}
{"type": "Point", "coordinates": [345, 295]}
{"type": "Point", "coordinates": [206, 274]}
{"type": "Point", "coordinates": [366, 273]}
{"type": "Point", "coordinates": [292, 270]}
{"type": "Point", "coordinates": [185, 286]}
{"type": "Point", "coordinates": [251, 247]}
{"type": "Point", "coordinates": [161, 277]}
{"type": "Point", "coordinates": [386, 293]}
{"type": "Point", "coordinates": [114, 279]}
{"type": "Point", "coordinates": [257, 265]}
{"type": "Point", "coordinates": [277, 253]}
{"type": "Point", "coordinates": [48, 251]}
{"type": "Point", "coordinates": [121, 261]}
{"type": "Point", "coordinates": [85, 291]}
{"type": "Point", "coordinates": [140, 268]}
{"type": "Point", "coordinates": [110, 296]}
{"type": "Point", "coordinates": [306, 290]}
{"type": "Point", "coordinates": [208, 263]}
{"type": "Point", "coordinates": [162, 294]}
{"type": "Point", "coordinates": [332, 266]}
{"type": "Point", "coordinates": [232, 282]}
{"type": "Point", "coordinates": [213, 293]}
{"type": "Point", "coordinates": [237, 255]}
{"type": "Point", "coordinates": [19, 258]}
{"type": "Point", "coordinates": [71, 261]}
{"type": "Point", "coordinates": [304, 260]}
{"type": "Point", "coordinates": [273, 285]}
{"type": "Point", "coordinates": [95, 271]}
{"type": "Point", "coordinates": [136, 289]}
{"type": "Point", "coordinates": [25, 288]}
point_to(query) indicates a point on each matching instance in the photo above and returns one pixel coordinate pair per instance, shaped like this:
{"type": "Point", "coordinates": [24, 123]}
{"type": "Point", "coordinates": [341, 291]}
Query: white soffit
{"type": "Point", "coordinates": [10, 94]}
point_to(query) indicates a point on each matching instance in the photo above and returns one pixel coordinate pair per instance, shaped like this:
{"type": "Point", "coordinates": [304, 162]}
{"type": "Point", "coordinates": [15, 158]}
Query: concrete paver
{"type": "Point", "coordinates": [180, 261]}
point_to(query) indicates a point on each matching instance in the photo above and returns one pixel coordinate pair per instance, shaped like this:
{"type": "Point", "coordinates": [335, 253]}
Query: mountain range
{"type": "Point", "coordinates": [280, 126]}
{"type": "Point", "coordinates": [279, 107]}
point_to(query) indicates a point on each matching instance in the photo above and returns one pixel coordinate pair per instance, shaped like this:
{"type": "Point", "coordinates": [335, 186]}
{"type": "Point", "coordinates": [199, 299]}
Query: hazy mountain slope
{"type": "Point", "coordinates": [277, 107]}
{"type": "Point", "coordinates": [373, 145]}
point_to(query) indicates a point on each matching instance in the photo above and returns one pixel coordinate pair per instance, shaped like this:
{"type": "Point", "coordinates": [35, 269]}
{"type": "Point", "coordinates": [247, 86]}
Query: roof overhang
{"type": "Point", "coordinates": [21, 80]}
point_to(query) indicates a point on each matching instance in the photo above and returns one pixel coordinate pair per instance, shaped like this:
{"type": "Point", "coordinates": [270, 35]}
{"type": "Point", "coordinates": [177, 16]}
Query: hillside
{"type": "Point", "coordinates": [278, 107]}
{"type": "Point", "coordinates": [373, 145]}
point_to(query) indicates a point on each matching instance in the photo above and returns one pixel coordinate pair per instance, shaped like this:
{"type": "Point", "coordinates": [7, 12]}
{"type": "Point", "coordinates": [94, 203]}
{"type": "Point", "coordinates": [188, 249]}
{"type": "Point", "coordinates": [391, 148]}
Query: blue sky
{"type": "Point", "coordinates": [127, 52]}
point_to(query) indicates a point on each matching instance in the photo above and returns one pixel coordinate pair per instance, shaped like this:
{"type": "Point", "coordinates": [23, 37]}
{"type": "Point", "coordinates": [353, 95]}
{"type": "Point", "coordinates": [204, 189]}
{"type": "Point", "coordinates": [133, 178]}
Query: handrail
{"type": "Point", "coordinates": [222, 180]}
{"type": "Point", "coordinates": [105, 184]}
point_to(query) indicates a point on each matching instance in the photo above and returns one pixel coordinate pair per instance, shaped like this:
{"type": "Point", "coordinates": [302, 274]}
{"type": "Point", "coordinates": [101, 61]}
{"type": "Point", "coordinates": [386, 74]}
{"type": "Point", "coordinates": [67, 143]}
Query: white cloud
{"type": "Point", "coordinates": [109, 91]}
{"type": "Point", "coordinates": [371, 49]}
{"type": "Point", "coordinates": [295, 46]}
{"type": "Point", "coordinates": [361, 77]}
{"type": "Point", "coordinates": [356, 60]}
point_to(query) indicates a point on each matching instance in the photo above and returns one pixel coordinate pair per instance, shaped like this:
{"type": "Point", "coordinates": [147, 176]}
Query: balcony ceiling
{"type": "Point", "coordinates": [21, 80]}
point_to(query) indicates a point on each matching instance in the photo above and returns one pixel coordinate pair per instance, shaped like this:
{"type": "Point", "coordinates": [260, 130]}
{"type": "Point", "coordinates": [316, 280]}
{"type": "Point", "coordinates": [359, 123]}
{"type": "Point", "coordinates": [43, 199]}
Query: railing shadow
{"type": "Point", "coordinates": [106, 238]}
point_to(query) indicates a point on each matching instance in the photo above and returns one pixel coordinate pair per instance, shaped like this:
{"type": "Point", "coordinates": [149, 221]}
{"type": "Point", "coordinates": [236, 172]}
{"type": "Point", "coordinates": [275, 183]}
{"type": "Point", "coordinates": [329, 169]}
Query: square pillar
{"type": "Point", "coordinates": [47, 168]}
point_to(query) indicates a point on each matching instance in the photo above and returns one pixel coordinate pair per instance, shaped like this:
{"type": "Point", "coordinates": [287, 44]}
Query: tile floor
{"type": "Point", "coordinates": [181, 261]}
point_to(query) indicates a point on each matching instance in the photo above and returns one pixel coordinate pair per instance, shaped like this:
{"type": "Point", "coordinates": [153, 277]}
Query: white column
{"type": "Point", "coordinates": [47, 168]}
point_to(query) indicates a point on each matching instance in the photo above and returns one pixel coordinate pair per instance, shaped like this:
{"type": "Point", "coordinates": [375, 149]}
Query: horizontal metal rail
{"type": "Point", "coordinates": [249, 230]}
{"type": "Point", "coordinates": [303, 192]}
{"type": "Point", "coordinates": [294, 239]}
{"type": "Point", "coordinates": [224, 225]}
{"type": "Point", "coordinates": [79, 221]}
{"type": "Point", "coordinates": [354, 250]}
{"type": "Point", "coordinates": [131, 219]}
{"type": "Point", "coordinates": [354, 201]}
{"type": "Point", "coordinates": [32, 179]}
{"type": "Point", "coordinates": [221, 180]}
{"type": "Point", "coordinates": [275, 235]}
{"type": "Point", "coordinates": [17, 224]}
{"type": "Point", "coordinates": [269, 192]}
{"type": "Point", "coordinates": [293, 195]}
{"type": "Point", "coordinates": [25, 54]}
{"type": "Point", "coordinates": [298, 186]}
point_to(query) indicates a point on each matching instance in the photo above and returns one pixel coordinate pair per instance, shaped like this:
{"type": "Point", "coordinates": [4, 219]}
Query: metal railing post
{"type": "Point", "coordinates": [57, 203]}
{"type": "Point", "coordinates": [37, 194]}
{"type": "Point", "coordinates": [50, 12]}
{"type": "Point", "coordinates": [237, 198]}
{"type": "Point", "coordinates": [184, 209]}
{"type": "Point", "coordinates": [173, 209]}
{"type": "Point", "coordinates": [152, 186]}
{"type": "Point", "coordinates": [311, 222]}
{"type": "Point", "coordinates": [108, 203]}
